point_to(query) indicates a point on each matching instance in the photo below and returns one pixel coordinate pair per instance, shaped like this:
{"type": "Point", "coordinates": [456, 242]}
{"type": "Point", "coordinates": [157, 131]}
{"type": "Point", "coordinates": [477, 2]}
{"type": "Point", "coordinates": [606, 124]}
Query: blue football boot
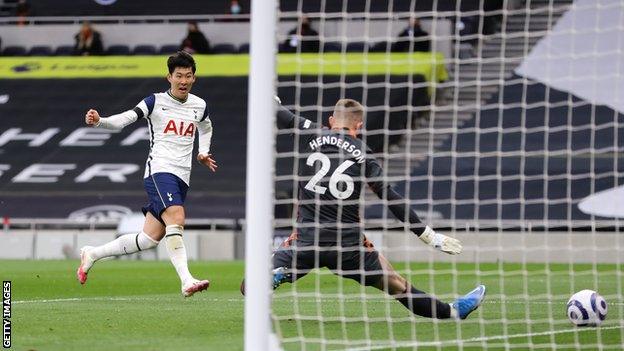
{"type": "Point", "coordinates": [280, 276]}
{"type": "Point", "coordinates": [469, 302]}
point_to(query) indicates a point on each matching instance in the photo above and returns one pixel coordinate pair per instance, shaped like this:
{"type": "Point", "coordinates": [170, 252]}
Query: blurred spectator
{"type": "Point", "coordinates": [412, 38]}
{"type": "Point", "coordinates": [195, 41]}
{"type": "Point", "coordinates": [470, 28]}
{"type": "Point", "coordinates": [235, 8]}
{"type": "Point", "coordinates": [88, 41]}
{"type": "Point", "coordinates": [22, 11]}
{"type": "Point", "coordinates": [305, 35]}
{"type": "Point", "coordinates": [493, 16]}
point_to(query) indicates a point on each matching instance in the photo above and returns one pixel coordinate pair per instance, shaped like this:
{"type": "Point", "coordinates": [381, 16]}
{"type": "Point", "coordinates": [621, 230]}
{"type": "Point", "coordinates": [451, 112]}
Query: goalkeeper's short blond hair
{"type": "Point", "coordinates": [349, 110]}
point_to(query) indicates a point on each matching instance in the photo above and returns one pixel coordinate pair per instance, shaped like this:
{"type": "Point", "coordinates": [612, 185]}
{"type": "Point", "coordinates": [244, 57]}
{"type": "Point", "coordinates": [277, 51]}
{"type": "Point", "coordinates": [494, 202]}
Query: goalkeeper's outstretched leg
{"type": "Point", "coordinates": [421, 303]}
{"type": "Point", "coordinates": [364, 264]}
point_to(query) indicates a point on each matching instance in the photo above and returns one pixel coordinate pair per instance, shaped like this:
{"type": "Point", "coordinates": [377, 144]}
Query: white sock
{"type": "Point", "coordinates": [177, 251]}
{"type": "Point", "coordinates": [454, 313]}
{"type": "Point", "coordinates": [125, 244]}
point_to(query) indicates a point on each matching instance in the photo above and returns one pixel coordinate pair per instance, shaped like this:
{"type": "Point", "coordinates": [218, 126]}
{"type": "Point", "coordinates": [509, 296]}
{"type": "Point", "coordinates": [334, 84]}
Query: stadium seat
{"type": "Point", "coordinates": [169, 49]}
{"type": "Point", "coordinates": [357, 46]}
{"type": "Point", "coordinates": [14, 51]}
{"type": "Point", "coordinates": [332, 47]}
{"type": "Point", "coordinates": [144, 50]}
{"type": "Point", "coordinates": [41, 50]}
{"type": "Point", "coordinates": [224, 48]}
{"type": "Point", "coordinates": [382, 46]}
{"type": "Point", "coordinates": [118, 50]}
{"type": "Point", "coordinates": [243, 48]}
{"type": "Point", "coordinates": [64, 50]}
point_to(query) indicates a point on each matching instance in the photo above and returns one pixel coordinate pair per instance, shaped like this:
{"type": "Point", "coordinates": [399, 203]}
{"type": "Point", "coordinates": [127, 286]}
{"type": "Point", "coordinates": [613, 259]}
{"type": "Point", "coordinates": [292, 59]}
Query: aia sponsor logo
{"type": "Point", "coordinates": [180, 128]}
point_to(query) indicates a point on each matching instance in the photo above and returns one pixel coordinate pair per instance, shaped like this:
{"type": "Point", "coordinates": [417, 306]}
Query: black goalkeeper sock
{"type": "Point", "coordinates": [423, 304]}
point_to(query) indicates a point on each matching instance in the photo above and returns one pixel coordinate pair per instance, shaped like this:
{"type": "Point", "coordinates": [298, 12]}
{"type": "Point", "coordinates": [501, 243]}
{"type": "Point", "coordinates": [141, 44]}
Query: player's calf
{"type": "Point", "coordinates": [423, 304]}
{"type": "Point", "coordinates": [426, 305]}
{"type": "Point", "coordinates": [419, 302]}
{"type": "Point", "coordinates": [176, 249]}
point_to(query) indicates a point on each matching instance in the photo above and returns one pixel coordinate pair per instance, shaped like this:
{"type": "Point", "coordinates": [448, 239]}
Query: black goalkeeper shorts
{"type": "Point", "coordinates": [360, 263]}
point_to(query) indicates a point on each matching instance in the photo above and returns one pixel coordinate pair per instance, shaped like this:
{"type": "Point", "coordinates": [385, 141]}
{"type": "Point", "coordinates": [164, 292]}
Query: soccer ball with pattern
{"type": "Point", "coordinates": [586, 308]}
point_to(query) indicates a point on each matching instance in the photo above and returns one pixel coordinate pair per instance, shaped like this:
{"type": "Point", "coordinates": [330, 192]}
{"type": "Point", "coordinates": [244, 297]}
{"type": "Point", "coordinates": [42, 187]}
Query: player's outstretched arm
{"type": "Point", "coordinates": [288, 120]}
{"type": "Point", "coordinates": [439, 241]}
{"type": "Point", "coordinates": [396, 205]}
{"type": "Point", "coordinates": [115, 122]}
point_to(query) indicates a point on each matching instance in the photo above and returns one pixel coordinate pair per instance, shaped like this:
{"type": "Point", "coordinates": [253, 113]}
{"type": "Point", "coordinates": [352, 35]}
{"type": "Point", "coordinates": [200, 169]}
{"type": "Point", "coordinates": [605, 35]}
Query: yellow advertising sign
{"type": "Point", "coordinates": [431, 65]}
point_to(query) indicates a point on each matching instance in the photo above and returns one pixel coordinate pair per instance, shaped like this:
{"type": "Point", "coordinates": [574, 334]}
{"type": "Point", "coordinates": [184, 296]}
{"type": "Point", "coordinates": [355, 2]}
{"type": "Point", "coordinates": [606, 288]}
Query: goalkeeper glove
{"type": "Point", "coordinates": [441, 242]}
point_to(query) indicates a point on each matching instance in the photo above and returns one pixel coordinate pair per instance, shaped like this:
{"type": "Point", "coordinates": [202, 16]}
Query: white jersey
{"type": "Point", "coordinates": [172, 124]}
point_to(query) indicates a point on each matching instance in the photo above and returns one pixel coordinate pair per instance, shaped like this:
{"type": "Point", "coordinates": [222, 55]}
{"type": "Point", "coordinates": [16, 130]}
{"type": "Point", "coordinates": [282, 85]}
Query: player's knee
{"type": "Point", "coordinates": [179, 220]}
{"type": "Point", "coordinates": [174, 215]}
{"type": "Point", "coordinates": [392, 284]}
{"type": "Point", "coordinates": [396, 284]}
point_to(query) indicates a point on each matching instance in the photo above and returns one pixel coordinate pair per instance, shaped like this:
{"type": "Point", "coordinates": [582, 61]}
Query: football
{"type": "Point", "coordinates": [586, 308]}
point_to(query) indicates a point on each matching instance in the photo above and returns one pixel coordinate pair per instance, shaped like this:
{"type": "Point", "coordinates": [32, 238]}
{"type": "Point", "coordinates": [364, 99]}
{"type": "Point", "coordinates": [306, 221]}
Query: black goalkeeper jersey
{"type": "Point", "coordinates": [332, 168]}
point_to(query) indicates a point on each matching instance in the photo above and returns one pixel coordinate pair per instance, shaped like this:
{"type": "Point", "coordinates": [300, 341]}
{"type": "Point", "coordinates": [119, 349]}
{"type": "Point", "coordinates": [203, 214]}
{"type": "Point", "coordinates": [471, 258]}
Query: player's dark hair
{"type": "Point", "coordinates": [181, 59]}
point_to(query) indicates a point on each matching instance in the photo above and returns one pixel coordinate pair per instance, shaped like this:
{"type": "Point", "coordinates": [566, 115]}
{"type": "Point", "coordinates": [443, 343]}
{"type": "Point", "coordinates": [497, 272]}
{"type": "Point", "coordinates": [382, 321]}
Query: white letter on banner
{"type": "Point", "coordinates": [35, 139]}
{"type": "Point", "coordinates": [87, 137]}
{"type": "Point", "coordinates": [137, 135]}
{"type": "Point", "coordinates": [116, 172]}
{"type": "Point", "coordinates": [4, 168]}
{"type": "Point", "coordinates": [43, 172]}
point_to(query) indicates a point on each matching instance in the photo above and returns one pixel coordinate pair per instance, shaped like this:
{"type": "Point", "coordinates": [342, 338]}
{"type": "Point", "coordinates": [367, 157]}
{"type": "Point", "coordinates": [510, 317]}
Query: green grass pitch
{"type": "Point", "coordinates": [137, 305]}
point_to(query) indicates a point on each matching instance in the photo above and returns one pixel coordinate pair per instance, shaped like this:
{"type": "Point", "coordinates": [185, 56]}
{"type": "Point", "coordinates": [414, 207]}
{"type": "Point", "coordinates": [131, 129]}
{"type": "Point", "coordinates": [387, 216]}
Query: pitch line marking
{"type": "Point", "coordinates": [104, 298]}
{"type": "Point", "coordinates": [306, 299]}
{"type": "Point", "coordinates": [482, 338]}
{"type": "Point", "coordinates": [75, 299]}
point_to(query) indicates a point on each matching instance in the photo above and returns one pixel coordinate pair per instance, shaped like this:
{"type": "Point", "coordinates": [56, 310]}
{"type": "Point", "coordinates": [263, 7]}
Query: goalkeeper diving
{"type": "Point", "coordinates": [333, 167]}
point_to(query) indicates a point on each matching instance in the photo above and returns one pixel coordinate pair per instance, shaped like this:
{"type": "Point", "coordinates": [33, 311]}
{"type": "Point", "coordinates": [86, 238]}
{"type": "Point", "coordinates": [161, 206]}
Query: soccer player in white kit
{"type": "Point", "coordinates": [173, 118]}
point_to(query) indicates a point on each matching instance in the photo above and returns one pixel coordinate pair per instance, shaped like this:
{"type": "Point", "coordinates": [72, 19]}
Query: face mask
{"type": "Point", "coordinates": [235, 9]}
